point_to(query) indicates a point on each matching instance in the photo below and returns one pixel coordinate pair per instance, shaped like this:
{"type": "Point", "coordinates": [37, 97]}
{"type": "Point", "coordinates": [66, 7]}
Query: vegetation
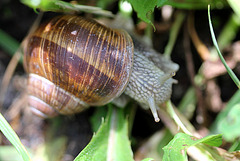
{"type": "Point", "coordinates": [199, 123]}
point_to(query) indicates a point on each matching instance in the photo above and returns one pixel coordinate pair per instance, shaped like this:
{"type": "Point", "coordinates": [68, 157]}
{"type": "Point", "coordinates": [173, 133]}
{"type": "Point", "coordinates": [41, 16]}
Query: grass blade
{"type": "Point", "coordinates": [13, 138]}
{"type": "Point", "coordinates": [230, 72]}
{"type": "Point", "coordinates": [9, 44]}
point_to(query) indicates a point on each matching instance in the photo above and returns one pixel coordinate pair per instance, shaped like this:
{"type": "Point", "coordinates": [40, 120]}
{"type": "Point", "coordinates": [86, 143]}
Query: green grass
{"type": "Point", "coordinates": [229, 70]}
{"type": "Point", "coordinates": [9, 133]}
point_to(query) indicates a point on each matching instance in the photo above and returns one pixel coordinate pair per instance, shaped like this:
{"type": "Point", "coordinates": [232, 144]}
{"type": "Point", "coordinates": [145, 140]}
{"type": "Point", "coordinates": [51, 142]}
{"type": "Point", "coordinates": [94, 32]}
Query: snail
{"type": "Point", "coordinates": [73, 63]}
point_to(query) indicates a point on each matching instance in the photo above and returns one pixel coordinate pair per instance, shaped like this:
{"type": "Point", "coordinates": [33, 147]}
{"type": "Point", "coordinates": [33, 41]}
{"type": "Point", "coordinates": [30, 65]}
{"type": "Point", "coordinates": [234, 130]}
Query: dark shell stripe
{"type": "Point", "coordinates": [112, 62]}
{"type": "Point", "coordinates": [64, 69]}
{"type": "Point", "coordinates": [97, 63]}
{"type": "Point", "coordinates": [88, 56]}
{"type": "Point", "coordinates": [97, 71]}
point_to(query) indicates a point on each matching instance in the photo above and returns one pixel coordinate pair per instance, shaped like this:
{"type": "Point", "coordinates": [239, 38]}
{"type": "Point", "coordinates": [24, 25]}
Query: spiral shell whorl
{"type": "Point", "coordinates": [81, 57]}
{"type": "Point", "coordinates": [44, 95]}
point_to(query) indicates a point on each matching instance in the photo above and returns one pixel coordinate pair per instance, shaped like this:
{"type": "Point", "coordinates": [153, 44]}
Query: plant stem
{"type": "Point", "coordinates": [174, 33]}
{"type": "Point", "coordinates": [9, 44]}
{"type": "Point", "coordinates": [176, 118]}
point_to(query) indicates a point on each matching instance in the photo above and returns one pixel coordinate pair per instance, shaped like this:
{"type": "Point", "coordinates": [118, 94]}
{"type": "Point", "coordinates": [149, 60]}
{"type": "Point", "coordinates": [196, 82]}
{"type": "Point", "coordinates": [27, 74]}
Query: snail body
{"type": "Point", "coordinates": [75, 62]}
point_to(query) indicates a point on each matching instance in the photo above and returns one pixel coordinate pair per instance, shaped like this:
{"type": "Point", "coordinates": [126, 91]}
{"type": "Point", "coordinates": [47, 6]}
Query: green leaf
{"type": "Point", "coordinates": [145, 8]}
{"type": "Point", "coordinates": [97, 117]}
{"type": "Point", "coordinates": [8, 153]}
{"type": "Point", "coordinates": [212, 140]}
{"type": "Point", "coordinates": [13, 138]}
{"type": "Point", "coordinates": [223, 114]}
{"type": "Point", "coordinates": [235, 4]}
{"type": "Point", "coordinates": [235, 146]}
{"type": "Point", "coordinates": [177, 147]}
{"type": "Point", "coordinates": [229, 125]}
{"type": "Point", "coordinates": [44, 5]}
{"type": "Point", "coordinates": [111, 141]}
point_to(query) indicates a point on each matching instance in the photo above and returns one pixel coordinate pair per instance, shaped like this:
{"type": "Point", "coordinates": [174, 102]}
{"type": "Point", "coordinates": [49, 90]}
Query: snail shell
{"type": "Point", "coordinates": [75, 62]}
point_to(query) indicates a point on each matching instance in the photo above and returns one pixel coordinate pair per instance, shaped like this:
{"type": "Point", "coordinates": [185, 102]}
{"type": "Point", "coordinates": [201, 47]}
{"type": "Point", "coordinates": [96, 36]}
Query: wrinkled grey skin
{"type": "Point", "coordinates": [151, 80]}
{"type": "Point", "coordinates": [150, 83]}
{"type": "Point", "coordinates": [151, 76]}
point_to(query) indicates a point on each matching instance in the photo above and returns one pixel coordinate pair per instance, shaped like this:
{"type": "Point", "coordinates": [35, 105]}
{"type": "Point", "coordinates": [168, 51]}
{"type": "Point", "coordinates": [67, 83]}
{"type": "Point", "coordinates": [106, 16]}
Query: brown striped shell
{"type": "Point", "coordinates": [75, 62]}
